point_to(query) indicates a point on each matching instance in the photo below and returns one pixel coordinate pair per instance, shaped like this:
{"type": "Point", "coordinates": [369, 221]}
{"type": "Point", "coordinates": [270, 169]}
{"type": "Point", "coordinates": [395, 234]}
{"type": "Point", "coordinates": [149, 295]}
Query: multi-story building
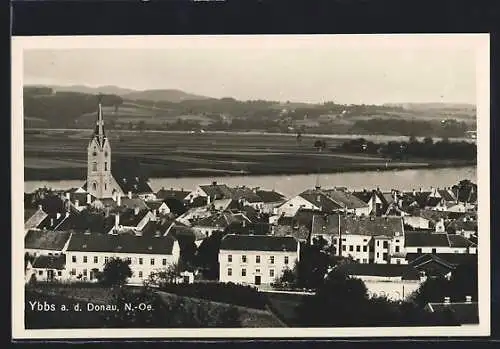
{"type": "Point", "coordinates": [256, 259]}
{"type": "Point", "coordinates": [87, 254]}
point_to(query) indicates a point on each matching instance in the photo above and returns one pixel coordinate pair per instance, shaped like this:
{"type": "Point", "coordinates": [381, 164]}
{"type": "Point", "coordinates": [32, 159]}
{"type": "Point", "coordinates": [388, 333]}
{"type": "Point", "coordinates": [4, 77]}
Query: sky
{"type": "Point", "coordinates": [389, 71]}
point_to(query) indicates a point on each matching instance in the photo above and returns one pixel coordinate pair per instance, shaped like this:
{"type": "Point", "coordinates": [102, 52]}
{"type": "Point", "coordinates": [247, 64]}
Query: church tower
{"type": "Point", "coordinates": [100, 181]}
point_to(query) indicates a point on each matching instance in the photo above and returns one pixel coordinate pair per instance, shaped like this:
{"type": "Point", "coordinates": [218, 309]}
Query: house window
{"type": "Point", "coordinates": [378, 243]}
{"type": "Point", "coordinates": [140, 274]}
{"type": "Point", "coordinates": [257, 259]}
{"type": "Point", "coordinates": [84, 259]}
{"type": "Point", "coordinates": [229, 271]}
{"type": "Point", "coordinates": [385, 244]}
{"type": "Point", "coordinates": [397, 248]}
{"type": "Point", "coordinates": [365, 260]}
{"type": "Point", "coordinates": [398, 261]}
{"type": "Point", "coordinates": [73, 271]}
{"type": "Point", "coordinates": [334, 241]}
{"type": "Point", "coordinates": [129, 260]}
{"type": "Point", "coordinates": [40, 272]}
{"type": "Point", "coordinates": [94, 166]}
{"type": "Point", "coordinates": [244, 259]}
{"type": "Point", "coordinates": [84, 272]}
{"type": "Point", "coordinates": [378, 254]}
{"type": "Point", "coordinates": [59, 273]}
{"type": "Point", "coordinates": [397, 240]}
{"type": "Point", "coordinates": [257, 271]}
{"type": "Point", "coordinates": [365, 248]}
{"type": "Point", "coordinates": [358, 248]}
{"type": "Point", "coordinates": [105, 186]}
{"type": "Point", "coordinates": [351, 248]}
{"type": "Point", "coordinates": [106, 259]}
{"type": "Point", "coordinates": [344, 248]}
{"type": "Point", "coordinates": [152, 261]}
{"type": "Point", "coordinates": [419, 250]}
{"type": "Point", "coordinates": [433, 250]}
{"type": "Point", "coordinates": [105, 166]}
{"type": "Point", "coordinates": [286, 259]}
{"type": "Point", "coordinates": [271, 259]}
{"type": "Point", "coordinates": [73, 259]}
{"type": "Point", "coordinates": [243, 272]}
{"type": "Point", "coordinates": [271, 272]}
{"type": "Point", "coordinates": [140, 261]}
{"type": "Point", "coordinates": [164, 262]}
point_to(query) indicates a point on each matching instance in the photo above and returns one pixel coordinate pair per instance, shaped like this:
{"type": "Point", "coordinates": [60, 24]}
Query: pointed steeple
{"type": "Point", "coordinates": [99, 128]}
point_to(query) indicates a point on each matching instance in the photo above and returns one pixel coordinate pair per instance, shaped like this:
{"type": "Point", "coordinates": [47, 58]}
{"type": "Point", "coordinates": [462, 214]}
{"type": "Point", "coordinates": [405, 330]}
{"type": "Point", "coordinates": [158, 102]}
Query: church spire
{"type": "Point", "coordinates": [99, 129]}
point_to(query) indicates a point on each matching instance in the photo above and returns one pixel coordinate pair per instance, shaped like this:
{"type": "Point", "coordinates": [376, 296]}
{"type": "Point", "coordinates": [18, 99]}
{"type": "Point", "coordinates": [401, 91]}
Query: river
{"type": "Point", "coordinates": [294, 184]}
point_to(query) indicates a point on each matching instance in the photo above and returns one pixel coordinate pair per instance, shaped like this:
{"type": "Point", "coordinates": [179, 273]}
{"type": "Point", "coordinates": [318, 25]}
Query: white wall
{"type": "Point", "coordinates": [394, 290]}
{"type": "Point", "coordinates": [416, 222]}
{"type": "Point", "coordinates": [356, 241]}
{"type": "Point", "coordinates": [252, 267]}
{"type": "Point", "coordinates": [289, 208]}
{"type": "Point", "coordinates": [444, 249]}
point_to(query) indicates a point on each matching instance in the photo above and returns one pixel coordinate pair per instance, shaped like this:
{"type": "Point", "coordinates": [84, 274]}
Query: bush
{"type": "Point", "coordinates": [245, 296]}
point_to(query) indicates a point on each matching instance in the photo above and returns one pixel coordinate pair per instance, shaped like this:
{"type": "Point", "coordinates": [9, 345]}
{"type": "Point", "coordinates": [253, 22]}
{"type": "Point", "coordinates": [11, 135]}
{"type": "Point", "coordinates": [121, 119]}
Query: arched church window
{"type": "Point", "coordinates": [94, 154]}
{"type": "Point", "coordinates": [106, 154]}
{"type": "Point", "coordinates": [105, 166]}
{"type": "Point", "coordinates": [94, 186]}
{"type": "Point", "coordinates": [94, 166]}
{"type": "Point", "coordinates": [105, 186]}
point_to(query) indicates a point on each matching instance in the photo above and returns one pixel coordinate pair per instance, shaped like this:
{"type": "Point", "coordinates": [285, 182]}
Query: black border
{"type": "Point", "coordinates": [119, 17]}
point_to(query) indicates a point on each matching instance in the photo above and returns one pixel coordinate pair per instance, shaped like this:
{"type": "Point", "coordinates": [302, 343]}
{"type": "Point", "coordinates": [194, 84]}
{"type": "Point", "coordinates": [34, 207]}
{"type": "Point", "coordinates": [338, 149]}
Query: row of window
{"type": "Point", "coordinates": [94, 166]}
{"type": "Point", "coordinates": [59, 273]}
{"type": "Point", "coordinates": [244, 272]}
{"type": "Point", "coordinates": [365, 248]}
{"type": "Point", "coordinates": [85, 272]}
{"type": "Point", "coordinates": [257, 259]}
{"type": "Point", "coordinates": [140, 261]}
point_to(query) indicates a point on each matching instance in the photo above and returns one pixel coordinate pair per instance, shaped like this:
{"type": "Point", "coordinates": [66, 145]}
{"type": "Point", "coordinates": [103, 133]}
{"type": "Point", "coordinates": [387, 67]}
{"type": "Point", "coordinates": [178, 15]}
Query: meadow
{"type": "Point", "coordinates": [61, 154]}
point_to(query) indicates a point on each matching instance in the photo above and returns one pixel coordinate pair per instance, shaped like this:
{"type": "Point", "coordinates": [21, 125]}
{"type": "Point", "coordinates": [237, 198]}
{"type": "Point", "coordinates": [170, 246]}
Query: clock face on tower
{"type": "Point", "coordinates": [94, 154]}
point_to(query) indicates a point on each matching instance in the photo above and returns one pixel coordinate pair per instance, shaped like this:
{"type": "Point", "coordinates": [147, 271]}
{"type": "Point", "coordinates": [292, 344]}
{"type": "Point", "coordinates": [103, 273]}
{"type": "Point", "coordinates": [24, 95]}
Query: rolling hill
{"type": "Point", "coordinates": [173, 96]}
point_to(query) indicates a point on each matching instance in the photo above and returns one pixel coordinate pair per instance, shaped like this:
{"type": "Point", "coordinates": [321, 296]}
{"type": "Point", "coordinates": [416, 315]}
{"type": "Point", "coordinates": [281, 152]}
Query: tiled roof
{"type": "Point", "coordinates": [450, 258]}
{"type": "Point", "coordinates": [86, 221]}
{"type": "Point", "coordinates": [446, 195]}
{"type": "Point", "coordinates": [345, 199]}
{"type": "Point", "coordinates": [431, 215]}
{"type": "Point", "coordinates": [221, 220]}
{"type": "Point", "coordinates": [154, 205]}
{"type": "Point", "coordinates": [405, 271]}
{"type": "Point", "coordinates": [321, 200]}
{"type": "Point", "coordinates": [419, 260]}
{"type": "Point", "coordinates": [268, 196]}
{"type": "Point", "coordinates": [52, 222]}
{"type": "Point", "coordinates": [130, 219]}
{"type": "Point", "coordinates": [167, 193]}
{"type": "Point", "coordinates": [325, 225]}
{"type": "Point", "coordinates": [46, 239]}
{"type": "Point", "coordinates": [371, 226]}
{"type": "Point", "coordinates": [463, 313]}
{"type": "Point", "coordinates": [133, 203]}
{"type": "Point", "coordinates": [245, 193]}
{"type": "Point", "coordinates": [460, 241]}
{"type": "Point", "coordinates": [234, 242]}
{"type": "Point", "coordinates": [467, 225]}
{"type": "Point", "coordinates": [175, 205]}
{"type": "Point", "coordinates": [121, 244]}
{"type": "Point", "coordinates": [35, 220]}
{"type": "Point", "coordinates": [129, 177]}
{"type": "Point", "coordinates": [364, 195]}
{"type": "Point", "coordinates": [50, 262]}
{"type": "Point", "coordinates": [426, 239]}
{"type": "Point", "coordinates": [217, 191]}
{"type": "Point", "coordinates": [433, 202]}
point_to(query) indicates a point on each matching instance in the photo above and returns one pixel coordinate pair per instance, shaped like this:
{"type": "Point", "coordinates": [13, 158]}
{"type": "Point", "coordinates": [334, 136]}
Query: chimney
{"type": "Point", "coordinates": [446, 300]}
{"type": "Point", "coordinates": [52, 222]}
{"type": "Point", "coordinates": [244, 223]}
{"type": "Point", "coordinates": [208, 200]}
{"type": "Point", "coordinates": [468, 299]}
{"type": "Point", "coordinates": [89, 199]}
{"type": "Point", "coordinates": [136, 210]}
{"type": "Point", "coordinates": [107, 212]}
{"type": "Point", "coordinates": [58, 215]}
{"type": "Point", "coordinates": [67, 214]}
{"type": "Point", "coordinates": [413, 190]}
{"type": "Point", "coordinates": [129, 194]}
{"type": "Point", "coordinates": [420, 189]}
{"type": "Point", "coordinates": [68, 196]}
{"type": "Point", "coordinates": [40, 207]}
{"type": "Point", "coordinates": [118, 200]}
{"type": "Point", "coordinates": [77, 203]}
{"type": "Point", "coordinates": [117, 220]}
{"type": "Point", "coordinates": [318, 198]}
{"type": "Point", "coordinates": [214, 183]}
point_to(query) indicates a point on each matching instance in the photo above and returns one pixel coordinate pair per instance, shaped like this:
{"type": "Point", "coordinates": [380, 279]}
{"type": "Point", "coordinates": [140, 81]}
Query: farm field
{"type": "Point", "coordinates": [61, 154]}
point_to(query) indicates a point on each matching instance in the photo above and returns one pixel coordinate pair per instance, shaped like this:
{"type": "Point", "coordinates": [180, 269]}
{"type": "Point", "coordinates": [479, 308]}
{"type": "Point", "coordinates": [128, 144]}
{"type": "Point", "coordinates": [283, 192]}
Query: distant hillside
{"type": "Point", "coordinates": [173, 96]}
{"type": "Point", "coordinates": [110, 90]}
{"type": "Point", "coordinates": [433, 106]}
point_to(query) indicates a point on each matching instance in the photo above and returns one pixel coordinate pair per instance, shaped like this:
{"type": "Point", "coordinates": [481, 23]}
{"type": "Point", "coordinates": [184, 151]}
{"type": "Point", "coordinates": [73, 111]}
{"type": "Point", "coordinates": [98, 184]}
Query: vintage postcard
{"type": "Point", "coordinates": [250, 186]}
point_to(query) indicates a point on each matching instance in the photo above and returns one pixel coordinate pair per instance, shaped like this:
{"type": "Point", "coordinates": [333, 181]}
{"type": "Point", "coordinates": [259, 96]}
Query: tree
{"type": "Point", "coordinates": [165, 276]}
{"type": "Point", "coordinates": [116, 272]}
{"type": "Point", "coordinates": [320, 145]}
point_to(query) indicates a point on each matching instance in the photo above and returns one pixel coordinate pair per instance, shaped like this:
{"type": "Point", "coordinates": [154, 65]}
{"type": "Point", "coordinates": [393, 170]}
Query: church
{"type": "Point", "coordinates": [105, 181]}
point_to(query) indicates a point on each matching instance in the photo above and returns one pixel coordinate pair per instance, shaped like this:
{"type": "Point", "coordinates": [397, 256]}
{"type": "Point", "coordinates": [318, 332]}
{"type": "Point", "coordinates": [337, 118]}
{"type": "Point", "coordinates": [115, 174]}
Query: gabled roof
{"type": "Point", "coordinates": [35, 220]}
{"type": "Point", "coordinates": [234, 242]}
{"type": "Point", "coordinates": [464, 224]}
{"type": "Point", "coordinates": [431, 215]}
{"type": "Point", "coordinates": [371, 226]}
{"type": "Point", "coordinates": [175, 205]}
{"type": "Point", "coordinates": [46, 240]}
{"type": "Point", "coordinates": [447, 195]}
{"type": "Point", "coordinates": [50, 262]}
{"type": "Point", "coordinates": [321, 200]}
{"type": "Point", "coordinates": [129, 177]}
{"type": "Point", "coordinates": [345, 199]}
{"type": "Point", "coordinates": [450, 258]}
{"type": "Point", "coordinates": [154, 205]}
{"type": "Point", "coordinates": [246, 194]}
{"type": "Point", "coordinates": [217, 191]}
{"type": "Point", "coordinates": [221, 220]}
{"type": "Point", "coordinates": [419, 260]}
{"type": "Point", "coordinates": [133, 203]}
{"type": "Point", "coordinates": [405, 271]}
{"type": "Point", "coordinates": [364, 195]}
{"type": "Point", "coordinates": [130, 219]}
{"type": "Point", "coordinates": [426, 239]}
{"type": "Point", "coordinates": [167, 193]}
{"type": "Point", "coordinates": [51, 222]}
{"type": "Point", "coordinates": [460, 241]}
{"type": "Point", "coordinates": [268, 196]}
{"type": "Point", "coordinates": [433, 202]}
{"type": "Point", "coordinates": [121, 244]}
